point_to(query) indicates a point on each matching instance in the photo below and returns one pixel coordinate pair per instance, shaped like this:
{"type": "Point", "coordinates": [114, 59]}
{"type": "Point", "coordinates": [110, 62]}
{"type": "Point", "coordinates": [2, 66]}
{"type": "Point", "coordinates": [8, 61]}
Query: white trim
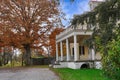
{"type": "Point", "coordinates": [61, 49]}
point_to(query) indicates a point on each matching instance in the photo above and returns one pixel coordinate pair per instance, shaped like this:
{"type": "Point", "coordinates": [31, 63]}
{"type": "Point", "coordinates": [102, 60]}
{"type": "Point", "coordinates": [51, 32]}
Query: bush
{"type": "Point", "coordinates": [111, 61]}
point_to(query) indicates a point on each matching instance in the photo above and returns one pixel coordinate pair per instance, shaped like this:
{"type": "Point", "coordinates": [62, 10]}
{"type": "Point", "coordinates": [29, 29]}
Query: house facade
{"type": "Point", "coordinates": [76, 55]}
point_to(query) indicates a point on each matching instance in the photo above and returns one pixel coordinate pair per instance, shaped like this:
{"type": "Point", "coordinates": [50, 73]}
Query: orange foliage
{"type": "Point", "coordinates": [52, 37]}
{"type": "Point", "coordinates": [26, 24]}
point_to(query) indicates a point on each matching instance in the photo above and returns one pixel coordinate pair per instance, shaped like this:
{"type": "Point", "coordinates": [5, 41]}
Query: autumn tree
{"type": "Point", "coordinates": [26, 23]}
{"type": "Point", "coordinates": [52, 37]}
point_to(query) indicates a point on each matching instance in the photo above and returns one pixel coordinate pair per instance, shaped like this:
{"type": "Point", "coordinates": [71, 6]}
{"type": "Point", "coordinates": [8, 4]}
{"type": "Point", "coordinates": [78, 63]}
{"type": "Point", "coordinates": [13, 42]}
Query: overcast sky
{"type": "Point", "coordinates": [70, 9]}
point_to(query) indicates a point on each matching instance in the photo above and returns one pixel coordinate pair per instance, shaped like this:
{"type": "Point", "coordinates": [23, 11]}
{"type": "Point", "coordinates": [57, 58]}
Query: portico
{"type": "Point", "coordinates": [71, 50]}
{"type": "Point", "coordinates": [73, 39]}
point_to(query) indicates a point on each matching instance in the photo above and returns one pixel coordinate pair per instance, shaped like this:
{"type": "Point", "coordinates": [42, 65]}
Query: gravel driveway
{"type": "Point", "coordinates": [28, 74]}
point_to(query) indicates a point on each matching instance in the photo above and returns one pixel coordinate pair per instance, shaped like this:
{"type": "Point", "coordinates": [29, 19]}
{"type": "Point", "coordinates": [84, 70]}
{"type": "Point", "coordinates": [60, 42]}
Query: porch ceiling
{"type": "Point", "coordinates": [64, 35]}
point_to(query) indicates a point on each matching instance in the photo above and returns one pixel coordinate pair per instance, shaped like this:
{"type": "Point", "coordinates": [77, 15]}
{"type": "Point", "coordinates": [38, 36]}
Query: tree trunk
{"type": "Point", "coordinates": [27, 55]}
{"type": "Point", "coordinates": [23, 59]}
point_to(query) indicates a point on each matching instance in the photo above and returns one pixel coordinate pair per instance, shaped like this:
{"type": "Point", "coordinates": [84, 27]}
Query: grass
{"type": "Point", "coordinates": [80, 74]}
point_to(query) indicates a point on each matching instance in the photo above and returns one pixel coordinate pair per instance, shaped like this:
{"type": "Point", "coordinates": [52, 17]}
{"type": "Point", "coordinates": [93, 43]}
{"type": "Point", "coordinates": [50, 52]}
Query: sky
{"type": "Point", "coordinates": [70, 9]}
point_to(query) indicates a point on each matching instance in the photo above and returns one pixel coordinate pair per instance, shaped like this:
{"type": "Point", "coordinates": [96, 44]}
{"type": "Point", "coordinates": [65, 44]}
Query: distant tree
{"type": "Point", "coordinates": [26, 23]}
{"type": "Point", "coordinates": [6, 55]}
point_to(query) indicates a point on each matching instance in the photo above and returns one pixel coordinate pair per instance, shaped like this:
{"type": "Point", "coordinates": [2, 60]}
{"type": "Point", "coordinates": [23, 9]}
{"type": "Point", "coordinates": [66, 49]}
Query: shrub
{"type": "Point", "coordinates": [111, 61]}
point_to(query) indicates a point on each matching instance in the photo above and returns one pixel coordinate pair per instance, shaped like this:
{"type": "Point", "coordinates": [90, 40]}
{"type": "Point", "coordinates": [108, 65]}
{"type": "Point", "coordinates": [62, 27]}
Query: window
{"type": "Point", "coordinates": [81, 50]}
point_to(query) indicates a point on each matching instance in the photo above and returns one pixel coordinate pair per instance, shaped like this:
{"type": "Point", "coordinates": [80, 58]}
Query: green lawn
{"type": "Point", "coordinates": [80, 74]}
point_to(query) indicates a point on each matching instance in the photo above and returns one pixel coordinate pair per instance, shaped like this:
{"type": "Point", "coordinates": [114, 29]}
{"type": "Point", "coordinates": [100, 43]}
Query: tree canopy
{"type": "Point", "coordinates": [25, 24]}
{"type": "Point", "coordinates": [104, 19]}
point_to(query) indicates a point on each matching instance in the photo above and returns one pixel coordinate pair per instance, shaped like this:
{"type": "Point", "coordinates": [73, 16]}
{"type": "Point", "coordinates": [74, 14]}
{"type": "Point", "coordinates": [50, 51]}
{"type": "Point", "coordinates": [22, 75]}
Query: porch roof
{"type": "Point", "coordinates": [69, 32]}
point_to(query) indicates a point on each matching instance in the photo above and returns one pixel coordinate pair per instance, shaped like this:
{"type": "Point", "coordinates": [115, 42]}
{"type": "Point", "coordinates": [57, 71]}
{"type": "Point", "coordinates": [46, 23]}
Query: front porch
{"type": "Point", "coordinates": [70, 50]}
{"type": "Point", "coordinates": [70, 47]}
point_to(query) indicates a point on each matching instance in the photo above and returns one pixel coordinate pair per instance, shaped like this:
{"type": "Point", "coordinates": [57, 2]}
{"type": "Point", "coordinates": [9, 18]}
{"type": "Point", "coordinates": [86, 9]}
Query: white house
{"type": "Point", "coordinates": [77, 55]}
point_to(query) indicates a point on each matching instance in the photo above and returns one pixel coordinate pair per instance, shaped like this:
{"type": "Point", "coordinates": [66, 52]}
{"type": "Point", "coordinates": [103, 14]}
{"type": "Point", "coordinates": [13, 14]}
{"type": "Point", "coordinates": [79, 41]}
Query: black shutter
{"type": "Point", "coordinates": [80, 50]}
{"type": "Point", "coordinates": [73, 51]}
{"type": "Point", "coordinates": [83, 50]}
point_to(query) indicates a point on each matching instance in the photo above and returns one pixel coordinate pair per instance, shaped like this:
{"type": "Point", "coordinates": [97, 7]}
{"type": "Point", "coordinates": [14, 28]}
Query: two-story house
{"type": "Point", "coordinates": [77, 55]}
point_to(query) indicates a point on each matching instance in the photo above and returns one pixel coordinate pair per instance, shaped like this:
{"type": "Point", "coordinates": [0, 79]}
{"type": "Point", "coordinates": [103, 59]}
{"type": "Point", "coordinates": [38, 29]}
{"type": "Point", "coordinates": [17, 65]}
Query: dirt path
{"type": "Point", "coordinates": [28, 74]}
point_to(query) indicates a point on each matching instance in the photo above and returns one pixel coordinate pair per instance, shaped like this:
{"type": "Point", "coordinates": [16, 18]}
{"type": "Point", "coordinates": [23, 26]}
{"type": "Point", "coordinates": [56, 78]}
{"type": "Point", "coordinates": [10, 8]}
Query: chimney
{"type": "Point", "coordinates": [94, 3]}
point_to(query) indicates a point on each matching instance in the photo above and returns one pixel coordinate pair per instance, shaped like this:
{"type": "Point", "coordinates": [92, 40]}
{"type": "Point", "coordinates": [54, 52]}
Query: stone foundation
{"type": "Point", "coordinates": [79, 64]}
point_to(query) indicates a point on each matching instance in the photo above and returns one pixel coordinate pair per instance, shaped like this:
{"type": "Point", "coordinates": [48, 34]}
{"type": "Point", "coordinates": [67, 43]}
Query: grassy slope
{"type": "Point", "coordinates": [80, 74]}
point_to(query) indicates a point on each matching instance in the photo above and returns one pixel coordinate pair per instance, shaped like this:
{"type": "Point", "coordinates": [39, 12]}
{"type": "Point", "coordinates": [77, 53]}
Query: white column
{"type": "Point", "coordinates": [56, 51]}
{"type": "Point", "coordinates": [67, 50]}
{"type": "Point", "coordinates": [93, 54]}
{"type": "Point", "coordinates": [89, 53]}
{"type": "Point", "coordinates": [61, 49]}
{"type": "Point", "coordinates": [75, 48]}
